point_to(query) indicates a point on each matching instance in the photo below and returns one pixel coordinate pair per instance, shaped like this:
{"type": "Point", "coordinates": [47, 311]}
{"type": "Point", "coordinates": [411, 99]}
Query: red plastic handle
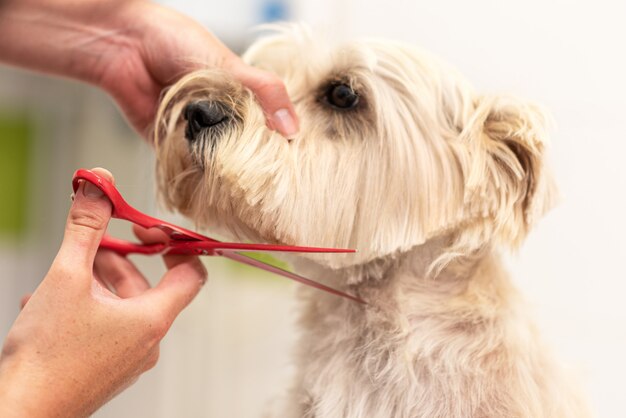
{"type": "Point", "coordinates": [123, 247]}
{"type": "Point", "coordinates": [122, 210]}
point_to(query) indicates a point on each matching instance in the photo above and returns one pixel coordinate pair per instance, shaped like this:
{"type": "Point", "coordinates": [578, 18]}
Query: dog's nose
{"type": "Point", "coordinates": [203, 115]}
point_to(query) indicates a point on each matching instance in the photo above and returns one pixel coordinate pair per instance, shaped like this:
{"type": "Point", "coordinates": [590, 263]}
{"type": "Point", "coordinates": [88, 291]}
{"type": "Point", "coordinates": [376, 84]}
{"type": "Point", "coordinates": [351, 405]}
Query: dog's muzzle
{"type": "Point", "coordinates": [205, 117]}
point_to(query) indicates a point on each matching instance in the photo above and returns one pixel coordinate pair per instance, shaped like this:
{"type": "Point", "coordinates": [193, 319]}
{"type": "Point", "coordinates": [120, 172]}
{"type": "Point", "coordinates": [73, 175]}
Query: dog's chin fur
{"type": "Point", "coordinates": [426, 179]}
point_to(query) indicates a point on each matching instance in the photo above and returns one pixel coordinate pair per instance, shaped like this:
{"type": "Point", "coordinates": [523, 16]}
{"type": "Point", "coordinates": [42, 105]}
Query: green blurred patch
{"type": "Point", "coordinates": [265, 258]}
{"type": "Point", "coordinates": [15, 146]}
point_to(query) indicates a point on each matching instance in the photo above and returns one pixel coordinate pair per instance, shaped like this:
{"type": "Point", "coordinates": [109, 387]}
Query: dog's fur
{"type": "Point", "coordinates": [427, 179]}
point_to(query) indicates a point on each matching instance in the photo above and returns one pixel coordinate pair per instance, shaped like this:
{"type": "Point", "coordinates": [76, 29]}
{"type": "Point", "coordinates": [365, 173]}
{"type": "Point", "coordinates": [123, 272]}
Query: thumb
{"type": "Point", "coordinates": [86, 224]}
{"type": "Point", "coordinates": [271, 93]}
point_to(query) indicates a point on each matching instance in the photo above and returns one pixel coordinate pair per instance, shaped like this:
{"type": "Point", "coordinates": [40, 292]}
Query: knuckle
{"type": "Point", "coordinates": [157, 328]}
{"type": "Point", "coordinates": [66, 268]}
{"type": "Point", "coordinates": [24, 300]}
{"type": "Point", "coordinates": [87, 218]}
{"type": "Point", "coordinates": [266, 84]}
{"type": "Point", "coordinates": [196, 269]}
{"type": "Point", "coordinates": [152, 360]}
{"type": "Point", "coordinates": [231, 62]}
{"type": "Point", "coordinates": [271, 84]}
{"type": "Point", "coordinates": [203, 273]}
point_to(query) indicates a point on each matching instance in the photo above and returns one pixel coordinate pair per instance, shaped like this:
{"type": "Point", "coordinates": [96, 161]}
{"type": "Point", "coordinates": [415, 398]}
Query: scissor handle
{"type": "Point", "coordinates": [123, 247]}
{"type": "Point", "coordinates": [122, 210]}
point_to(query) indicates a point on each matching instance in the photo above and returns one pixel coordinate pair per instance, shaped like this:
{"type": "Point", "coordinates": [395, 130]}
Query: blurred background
{"type": "Point", "coordinates": [228, 353]}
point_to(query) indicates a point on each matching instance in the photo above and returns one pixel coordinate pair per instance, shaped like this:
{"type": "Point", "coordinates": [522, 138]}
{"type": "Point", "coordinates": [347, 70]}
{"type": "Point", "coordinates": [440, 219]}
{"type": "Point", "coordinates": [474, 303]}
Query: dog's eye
{"type": "Point", "coordinates": [342, 96]}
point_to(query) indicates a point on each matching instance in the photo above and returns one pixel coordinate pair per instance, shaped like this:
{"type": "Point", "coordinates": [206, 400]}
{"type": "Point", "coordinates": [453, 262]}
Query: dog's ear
{"type": "Point", "coordinates": [507, 140]}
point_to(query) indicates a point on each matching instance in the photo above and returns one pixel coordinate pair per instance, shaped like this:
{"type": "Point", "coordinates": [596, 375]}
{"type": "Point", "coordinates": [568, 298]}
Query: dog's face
{"type": "Point", "coordinates": [394, 149]}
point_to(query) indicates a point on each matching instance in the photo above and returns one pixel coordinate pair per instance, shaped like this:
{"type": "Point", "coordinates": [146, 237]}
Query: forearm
{"type": "Point", "coordinates": [31, 390]}
{"type": "Point", "coordinates": [72, 38]}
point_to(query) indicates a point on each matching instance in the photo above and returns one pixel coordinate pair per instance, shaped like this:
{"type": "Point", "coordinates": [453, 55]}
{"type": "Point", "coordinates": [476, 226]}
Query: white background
{"type": "Point", "coordinates": [229, 352]}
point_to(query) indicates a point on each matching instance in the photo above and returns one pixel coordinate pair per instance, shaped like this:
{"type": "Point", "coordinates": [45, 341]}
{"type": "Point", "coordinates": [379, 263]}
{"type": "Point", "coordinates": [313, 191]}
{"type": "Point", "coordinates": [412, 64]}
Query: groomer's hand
{"type": "Point", "coordinates": [164, 45]}
{"type": "Point", "coordinates": [130, 48]}
{"type": "Point", "coordinates": [93, 325]}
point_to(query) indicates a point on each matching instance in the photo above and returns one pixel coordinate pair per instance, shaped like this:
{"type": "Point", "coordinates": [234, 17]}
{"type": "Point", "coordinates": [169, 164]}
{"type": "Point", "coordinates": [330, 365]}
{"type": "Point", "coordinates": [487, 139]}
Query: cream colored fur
{"type": "Point", "coordinates": [428, 179]}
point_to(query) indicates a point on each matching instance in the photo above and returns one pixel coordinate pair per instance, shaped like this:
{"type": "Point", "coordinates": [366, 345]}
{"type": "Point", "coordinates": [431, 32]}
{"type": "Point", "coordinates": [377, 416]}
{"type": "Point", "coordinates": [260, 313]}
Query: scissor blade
{"type": "Point", "coordinates": [273, 247]}
{"type": "Point", "coordinates": [276, 270]}
{"type": "Point", "coordinates": [209, 247]}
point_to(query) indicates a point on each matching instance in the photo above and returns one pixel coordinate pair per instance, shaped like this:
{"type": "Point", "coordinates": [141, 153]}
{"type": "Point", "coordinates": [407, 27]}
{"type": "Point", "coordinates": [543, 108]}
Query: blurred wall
{"type": "Point", "coordinates": [229, 352]}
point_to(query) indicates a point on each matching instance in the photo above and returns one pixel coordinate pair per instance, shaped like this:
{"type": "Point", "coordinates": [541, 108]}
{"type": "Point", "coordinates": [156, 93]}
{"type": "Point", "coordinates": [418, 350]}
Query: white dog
{"type": "Point", "coordinates": [398, 157]}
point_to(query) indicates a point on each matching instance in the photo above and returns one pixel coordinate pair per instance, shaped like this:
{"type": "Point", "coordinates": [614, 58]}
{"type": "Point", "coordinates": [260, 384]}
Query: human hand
{"type": "Point", "coordinates": [132, 50]}
{"type": "Point", "coordinates": [164, 45]}
{"type": "Point", "coordinates": [76, 344]}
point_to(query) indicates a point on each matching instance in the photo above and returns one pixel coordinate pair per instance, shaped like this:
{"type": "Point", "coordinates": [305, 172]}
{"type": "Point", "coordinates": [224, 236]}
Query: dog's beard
{"type": "Point", "coordinates": [222, 179]}
{"type": "Point", "coordinates": [342, 183]}
{"type": "Point", "coordinates": [421, 157]}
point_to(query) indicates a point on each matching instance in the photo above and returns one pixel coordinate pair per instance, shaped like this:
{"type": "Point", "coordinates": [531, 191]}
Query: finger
{"type": "Point", "coordinates": [150, 235]}
{"type": "Point", "coordinates": [119, 274]}
{"type": "Point", "coordinates": [177, 289]}
{"type": "Point", "coordinates": [271, 93]}
{"type": "Point", "coordinates": [86, 224]}
{"type": "Point", "coordinates": [153, 236]}
{"type": "Point", "coordinates": [25, 300]}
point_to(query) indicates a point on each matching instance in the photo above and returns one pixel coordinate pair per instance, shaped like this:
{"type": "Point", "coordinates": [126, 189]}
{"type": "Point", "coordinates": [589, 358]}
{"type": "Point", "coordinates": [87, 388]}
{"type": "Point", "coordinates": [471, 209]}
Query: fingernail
{"type": "Point", "coordinates": [285, 123]}
{"type": "Point", "coordinates": [91, 191]}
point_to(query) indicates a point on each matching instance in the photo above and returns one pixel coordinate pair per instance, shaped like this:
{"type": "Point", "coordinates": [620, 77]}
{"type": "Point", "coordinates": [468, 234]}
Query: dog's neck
{"type": "Point", "coordinates": [401, 289]}
{"type": "Point", "coordinates": [409, 275]}
{"type": "Point", "coordinates": [414, 330]}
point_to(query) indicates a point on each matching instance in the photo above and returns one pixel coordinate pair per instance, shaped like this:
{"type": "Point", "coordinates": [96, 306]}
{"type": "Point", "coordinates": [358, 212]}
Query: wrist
{"type": "Point", "coordinates": [31, 389]}
{"type": "Point", "coordinates": [20, 394]}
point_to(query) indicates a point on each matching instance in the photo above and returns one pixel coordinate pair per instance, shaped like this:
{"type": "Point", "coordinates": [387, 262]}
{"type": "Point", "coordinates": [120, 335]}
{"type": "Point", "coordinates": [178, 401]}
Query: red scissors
{"type": "Point", "coordinates": [184, 241]}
